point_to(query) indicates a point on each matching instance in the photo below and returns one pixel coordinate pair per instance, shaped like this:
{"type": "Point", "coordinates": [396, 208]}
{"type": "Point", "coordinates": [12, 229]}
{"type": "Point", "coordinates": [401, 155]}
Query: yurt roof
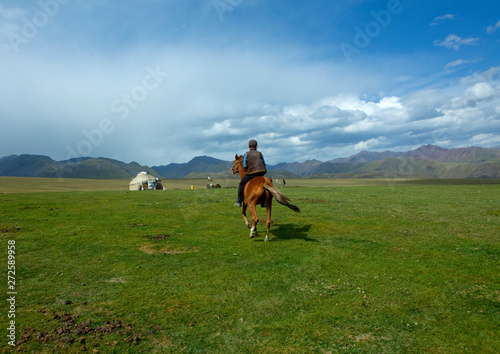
{"type": "Point", "coordinates": [142, 177]}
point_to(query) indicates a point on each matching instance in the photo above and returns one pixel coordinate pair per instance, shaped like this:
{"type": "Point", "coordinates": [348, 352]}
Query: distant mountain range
{"type": "Point", "coordinates": [428, 161]}
{"type": "Point", "coordinates": [94, 168]}
{"type": "Point", "coordinates": [200, 166]}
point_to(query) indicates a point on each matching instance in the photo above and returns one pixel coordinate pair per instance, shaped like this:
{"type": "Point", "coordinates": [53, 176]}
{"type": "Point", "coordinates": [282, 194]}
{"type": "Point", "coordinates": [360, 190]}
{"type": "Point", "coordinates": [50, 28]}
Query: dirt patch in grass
{"type": "Point", "coordinates": [178, 251]}
{"type": "Point", "coordinates": [82, 336]}
{"type": "Point", "coordinates": [149, 249]}
{"type": "Point", "coordinates": [159, 237]}
{"type": "Point", "coordinates": [4, 230]}
{"type": "Point", "coordinates": [368, 337]}
{"type": "Point", "coordinates": [116, 280]}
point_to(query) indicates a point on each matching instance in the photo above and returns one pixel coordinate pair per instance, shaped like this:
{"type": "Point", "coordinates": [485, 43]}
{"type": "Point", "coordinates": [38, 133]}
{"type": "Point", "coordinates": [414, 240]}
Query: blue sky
{"type": "Point", "coordinates": [164, 81]}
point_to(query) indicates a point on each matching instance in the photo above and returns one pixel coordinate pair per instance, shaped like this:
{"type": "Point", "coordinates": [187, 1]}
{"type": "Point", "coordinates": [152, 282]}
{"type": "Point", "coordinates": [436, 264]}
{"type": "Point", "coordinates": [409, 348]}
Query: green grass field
{"type": "Point", "coordinates": [389, 266]}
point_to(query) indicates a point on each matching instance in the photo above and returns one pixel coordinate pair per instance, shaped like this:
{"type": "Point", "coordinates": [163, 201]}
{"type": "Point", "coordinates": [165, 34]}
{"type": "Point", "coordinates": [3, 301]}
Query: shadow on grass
{"type": "Point", "coordinates": [284, 232]}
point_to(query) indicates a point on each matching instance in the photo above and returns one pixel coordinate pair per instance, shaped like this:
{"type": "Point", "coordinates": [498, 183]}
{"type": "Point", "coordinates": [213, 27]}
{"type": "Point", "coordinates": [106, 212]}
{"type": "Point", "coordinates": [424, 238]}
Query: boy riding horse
{"type": "Point", "coordinates": [255, 164]}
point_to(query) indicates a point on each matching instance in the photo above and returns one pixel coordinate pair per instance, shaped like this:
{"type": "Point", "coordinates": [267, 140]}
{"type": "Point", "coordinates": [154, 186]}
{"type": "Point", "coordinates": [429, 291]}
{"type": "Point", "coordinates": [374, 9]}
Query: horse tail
{"type": "Point", "coordinates": [280, 197]}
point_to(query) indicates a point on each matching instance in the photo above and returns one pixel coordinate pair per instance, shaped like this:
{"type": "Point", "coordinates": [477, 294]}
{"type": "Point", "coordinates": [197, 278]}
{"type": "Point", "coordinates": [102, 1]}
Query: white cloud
{"type": "Point", "coordinates": [492, 75]}
{"type": "Point", "coordinates": [487, 139]}
{"type": "Point", "coordinates": [470, 99]}
{"type": "Point", "coordinates": [452, 41]}
{"type": "Point", "coordinates": [442, 18]}
{"type": "Point", "coordinates": [390, 102]}
{"type": "Point", "coordinates": [481, 91]}
{"type": "Point", "coordinates": [365, 125]}
{"type": "Point", "coordinates": [366, 145]}
{"type": "Point", "coordinates": [493, 28]}
{"type": "Point", "coordinates": [445, 17]}
{"type": "Point", "coordinates": [460, 62]}
{"type": "Point", "coordinates": [219, 128]}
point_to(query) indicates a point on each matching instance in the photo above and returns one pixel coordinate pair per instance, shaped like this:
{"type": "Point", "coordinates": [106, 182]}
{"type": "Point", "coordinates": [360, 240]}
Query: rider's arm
{"type": "Point", "coordinates": [245, 162]}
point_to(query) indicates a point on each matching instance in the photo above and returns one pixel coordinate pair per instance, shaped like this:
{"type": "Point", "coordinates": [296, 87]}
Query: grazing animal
{"type": "Point", "coordinates": [258, 190]}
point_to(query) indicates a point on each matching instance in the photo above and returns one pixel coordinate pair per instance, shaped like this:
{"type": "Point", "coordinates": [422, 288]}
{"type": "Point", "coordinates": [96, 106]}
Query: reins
{"type": "Point", "coordinates": [236, 164]}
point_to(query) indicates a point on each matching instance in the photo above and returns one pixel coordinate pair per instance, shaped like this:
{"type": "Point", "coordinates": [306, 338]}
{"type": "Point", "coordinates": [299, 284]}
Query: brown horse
{"type": "Point", "coordinates": [259, 190]}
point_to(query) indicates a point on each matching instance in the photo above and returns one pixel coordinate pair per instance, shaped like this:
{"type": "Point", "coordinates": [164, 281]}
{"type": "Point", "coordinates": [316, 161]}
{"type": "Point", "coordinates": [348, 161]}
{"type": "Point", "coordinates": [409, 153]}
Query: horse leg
{"type": "Point", "coordinates": [255, 219]}
{"type": "Point", "coordinates": [244, 214]}
{"type": "Point", "coordinates": [269, 202]}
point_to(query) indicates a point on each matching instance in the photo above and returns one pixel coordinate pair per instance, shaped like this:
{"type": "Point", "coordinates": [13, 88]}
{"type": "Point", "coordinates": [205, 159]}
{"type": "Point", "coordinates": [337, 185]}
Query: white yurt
{"type": "Point", "coordinates": [141, 178]}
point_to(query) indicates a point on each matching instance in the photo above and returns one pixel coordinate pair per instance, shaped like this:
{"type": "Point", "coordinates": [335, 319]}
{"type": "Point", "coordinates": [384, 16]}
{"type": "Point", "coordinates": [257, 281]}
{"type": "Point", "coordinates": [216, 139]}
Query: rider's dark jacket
{"type": "Point", "coordinates": [254, 162]}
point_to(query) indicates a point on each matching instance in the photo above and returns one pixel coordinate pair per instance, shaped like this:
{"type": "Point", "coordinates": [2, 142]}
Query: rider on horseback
{"type": "Point", "coordinates": [255, 164]}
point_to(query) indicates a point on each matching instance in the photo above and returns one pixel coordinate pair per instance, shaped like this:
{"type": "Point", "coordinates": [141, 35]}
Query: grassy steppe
{"type": "Point", "coordinates": [36, 184]}
{"type": "Point", "coordinates": [381, 268]}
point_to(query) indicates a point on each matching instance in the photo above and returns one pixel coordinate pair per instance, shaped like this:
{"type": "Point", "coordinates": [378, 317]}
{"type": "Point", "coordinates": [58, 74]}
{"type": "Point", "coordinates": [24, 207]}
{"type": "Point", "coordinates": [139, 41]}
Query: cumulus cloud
{"type": "Point", "coordinates": [452, 41]}
{"type": "Point", "coordinates": [344, 124]}
{"type": "Point", "coordinates": [481, 91]}
{"type": "Point", "coordinates": [473, 96]}
{"type": "Point", "coordinates": [170, 125]}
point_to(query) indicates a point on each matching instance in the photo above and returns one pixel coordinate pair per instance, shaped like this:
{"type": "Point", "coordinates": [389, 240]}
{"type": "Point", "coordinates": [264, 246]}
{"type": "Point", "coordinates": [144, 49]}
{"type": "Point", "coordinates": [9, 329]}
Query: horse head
{"type": "Point", "coordinates": [236, 162]}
